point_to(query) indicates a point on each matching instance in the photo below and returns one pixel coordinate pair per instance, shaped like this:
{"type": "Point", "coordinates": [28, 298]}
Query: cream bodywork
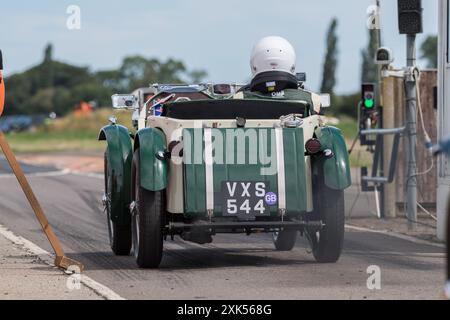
{"type": "Point", "coordinates": [173, 129]}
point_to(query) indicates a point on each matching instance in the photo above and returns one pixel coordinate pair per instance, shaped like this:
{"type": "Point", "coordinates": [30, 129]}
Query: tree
{"type": "Point", "coordinates": [47, 75]}
{"type": "Point", "coordinates": [429, 51]}
{"type": "Point", "coordinates": [54, 86]}
{"type": "Point", "coordinates": [197, 76]}
{"type": "Point", "coordinates": [330, 63]}
{"type": "Point", "coordinates": [138, 71]}
{"type": "Point", "coordinates": [369, 70]}
{"type": "Point", "coordinates": [48, 53]}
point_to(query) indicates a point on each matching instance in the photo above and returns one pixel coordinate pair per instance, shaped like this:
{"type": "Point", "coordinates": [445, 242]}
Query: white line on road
{"type": "Point", "coordinates": [396, 235]}
{"type": "Point", "coordinates": [48, 258]}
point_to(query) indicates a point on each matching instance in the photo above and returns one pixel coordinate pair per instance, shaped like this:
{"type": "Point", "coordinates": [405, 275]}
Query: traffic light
{"type": "Point", "coordinates": [368, 113]}
{"type": "Point", "coordinates": [368, 95]}
{"type": "Point", "coordinates": [410, 16]}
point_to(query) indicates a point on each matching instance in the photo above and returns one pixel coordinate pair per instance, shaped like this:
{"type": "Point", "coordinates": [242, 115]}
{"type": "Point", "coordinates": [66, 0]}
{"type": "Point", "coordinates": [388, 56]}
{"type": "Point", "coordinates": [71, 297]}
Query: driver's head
{"type": "Point", "coordinates": [273, 65]}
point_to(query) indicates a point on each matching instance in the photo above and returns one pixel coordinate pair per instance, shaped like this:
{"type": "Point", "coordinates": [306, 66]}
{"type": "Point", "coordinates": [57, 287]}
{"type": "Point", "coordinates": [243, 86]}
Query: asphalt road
{"type": "Point", "coordinates": [232, 267]}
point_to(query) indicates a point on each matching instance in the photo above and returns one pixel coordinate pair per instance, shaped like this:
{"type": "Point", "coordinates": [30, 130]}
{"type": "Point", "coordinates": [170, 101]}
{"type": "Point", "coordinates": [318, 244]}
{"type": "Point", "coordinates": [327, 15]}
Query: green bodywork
{"type": "Point", "coordinates": [154, 176]}
{"type": "Point", "coordinates": [119, 156]}
{"type": "Point", "coordinates": [261, 168]}
{"type": "Point", "coordinates": [336, 169]}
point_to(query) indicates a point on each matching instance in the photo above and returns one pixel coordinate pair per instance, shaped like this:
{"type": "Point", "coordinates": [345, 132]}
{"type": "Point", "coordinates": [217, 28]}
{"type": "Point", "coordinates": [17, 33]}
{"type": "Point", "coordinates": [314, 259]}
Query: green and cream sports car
{"type": "Point", "coordinates": [204, 162]}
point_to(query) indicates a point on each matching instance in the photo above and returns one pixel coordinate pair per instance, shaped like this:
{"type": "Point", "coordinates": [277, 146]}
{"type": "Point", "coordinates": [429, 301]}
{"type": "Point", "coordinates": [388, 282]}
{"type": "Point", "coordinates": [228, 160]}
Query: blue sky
{"type": "Point", "coordinates": [213, 35]}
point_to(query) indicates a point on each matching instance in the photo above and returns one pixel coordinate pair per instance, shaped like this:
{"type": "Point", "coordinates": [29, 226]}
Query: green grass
{"type": "Point", "coordinates": [38, 142]}
{"type": "Point", "coordinates": [70, 133]}
{"type": "Point", "coordinates": [73, 133]}
{"type": "Point", "coordinates": [359, 157]}
{"type": "Point", "coordinates": [349, 128]}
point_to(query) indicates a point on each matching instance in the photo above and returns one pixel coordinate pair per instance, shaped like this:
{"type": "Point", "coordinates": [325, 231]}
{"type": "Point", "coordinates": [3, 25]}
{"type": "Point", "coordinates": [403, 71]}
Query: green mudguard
{"type": "Point", "coordinates": [336, 170]}
{"type": "Point", "coordinates": [153, 173]}
{"type": "Point", "coordinates": [119, 156]}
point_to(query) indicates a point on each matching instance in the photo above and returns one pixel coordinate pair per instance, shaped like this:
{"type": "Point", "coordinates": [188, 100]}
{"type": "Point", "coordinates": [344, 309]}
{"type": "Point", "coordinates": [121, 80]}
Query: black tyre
{"type": "Point", "coordinates": [285, 240]}
{"type": "Point", "coordinates": [329, 207]}
{"type": "Point", "coordinates": [147, 218]}
{"type": "Point", "coordinates": [119, 234]}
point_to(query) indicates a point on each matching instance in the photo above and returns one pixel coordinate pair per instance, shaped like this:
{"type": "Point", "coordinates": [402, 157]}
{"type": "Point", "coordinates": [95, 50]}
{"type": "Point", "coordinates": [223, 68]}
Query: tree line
{"type": "Point", "coordinates": [54, 86]}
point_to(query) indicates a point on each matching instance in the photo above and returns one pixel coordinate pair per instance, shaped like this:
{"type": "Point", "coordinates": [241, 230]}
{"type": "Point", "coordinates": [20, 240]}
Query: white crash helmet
{"type": "Point", "coordinates": [273, 54]}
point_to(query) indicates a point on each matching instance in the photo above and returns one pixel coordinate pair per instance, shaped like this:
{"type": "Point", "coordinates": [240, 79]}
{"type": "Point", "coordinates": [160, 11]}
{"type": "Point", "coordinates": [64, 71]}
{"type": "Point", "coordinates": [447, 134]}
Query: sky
{"type": "Point", "coordinates": [216, 36]}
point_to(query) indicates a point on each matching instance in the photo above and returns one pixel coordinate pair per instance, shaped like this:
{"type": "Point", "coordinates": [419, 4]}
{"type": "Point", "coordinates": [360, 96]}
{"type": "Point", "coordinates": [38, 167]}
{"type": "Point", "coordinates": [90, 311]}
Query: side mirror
{"type": "Point", "coordinates": [325, 100]}
{"type": "Point", "coordinates": [125, 101]}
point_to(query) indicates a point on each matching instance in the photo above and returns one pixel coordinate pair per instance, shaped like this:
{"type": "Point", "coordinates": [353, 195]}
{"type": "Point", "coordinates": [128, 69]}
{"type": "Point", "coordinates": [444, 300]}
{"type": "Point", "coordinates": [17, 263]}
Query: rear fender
{"type": "Point", "coordinates": [336, 170]}
{"type": "Point", "coordinates": [119, 170]}
{"type": "Point", "coordinates": [154, 176]}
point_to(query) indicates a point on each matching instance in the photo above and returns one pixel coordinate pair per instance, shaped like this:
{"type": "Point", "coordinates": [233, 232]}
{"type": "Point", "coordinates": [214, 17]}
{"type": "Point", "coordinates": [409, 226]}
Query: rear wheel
{"type": "Point", "coordinates": [147, 218]}
{"type": "Point", "coordinates": [327, 243]}
{"type": "Point", "coordinates": [285, 240]}
{"type": "Point", "coordinates": [119, 234]}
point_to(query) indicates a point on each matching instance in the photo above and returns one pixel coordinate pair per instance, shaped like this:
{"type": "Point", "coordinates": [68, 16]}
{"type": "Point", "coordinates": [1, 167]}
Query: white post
{"type": "Point", "coordinates": [443, 194]}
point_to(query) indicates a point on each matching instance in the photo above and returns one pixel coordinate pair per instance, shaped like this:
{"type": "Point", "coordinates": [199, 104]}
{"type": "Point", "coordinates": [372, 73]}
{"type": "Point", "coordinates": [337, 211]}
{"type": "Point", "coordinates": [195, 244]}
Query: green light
{"type": "Point", "coordinates": [369, 103]}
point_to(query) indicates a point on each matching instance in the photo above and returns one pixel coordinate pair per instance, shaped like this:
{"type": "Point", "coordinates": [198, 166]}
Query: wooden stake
{"type": "Point", "coordinates": [61, 261]}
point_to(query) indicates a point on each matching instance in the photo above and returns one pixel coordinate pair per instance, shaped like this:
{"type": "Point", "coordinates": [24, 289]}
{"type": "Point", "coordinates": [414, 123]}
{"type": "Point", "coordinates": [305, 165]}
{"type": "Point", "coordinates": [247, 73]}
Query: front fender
{"type": "Point", "coordinates": [153, 173]}
{"type": "Point", "coordinates": [336, 170]}
{"type": "Point", "coordinates": [120, 157]}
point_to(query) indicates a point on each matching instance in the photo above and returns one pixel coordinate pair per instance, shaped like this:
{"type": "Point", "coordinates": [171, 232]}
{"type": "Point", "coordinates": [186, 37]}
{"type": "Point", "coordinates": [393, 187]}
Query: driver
{"type": "Point", "coordinates": [273, 68]}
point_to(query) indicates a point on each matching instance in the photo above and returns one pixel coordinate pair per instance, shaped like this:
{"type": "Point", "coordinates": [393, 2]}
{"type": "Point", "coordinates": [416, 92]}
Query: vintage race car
{"type": "Point", "coordinates": [199, 165]}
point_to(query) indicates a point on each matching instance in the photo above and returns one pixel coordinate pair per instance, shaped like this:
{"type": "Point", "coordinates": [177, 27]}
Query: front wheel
{"type": "Point", "coordinates": [327, 243]}
{"type": "Point", "coordinates": [147, 217]}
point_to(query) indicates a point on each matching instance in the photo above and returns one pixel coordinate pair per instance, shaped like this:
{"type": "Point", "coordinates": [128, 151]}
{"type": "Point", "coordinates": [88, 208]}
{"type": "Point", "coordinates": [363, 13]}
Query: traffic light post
{"type": "Point", "coordinates": [371, 125]}
{"type": "Point", "coordinates": [410, 24]}
{"type": "Point", "coordinates": [411, 127]}
{"type": "Point", "coordinates": [371, 119]}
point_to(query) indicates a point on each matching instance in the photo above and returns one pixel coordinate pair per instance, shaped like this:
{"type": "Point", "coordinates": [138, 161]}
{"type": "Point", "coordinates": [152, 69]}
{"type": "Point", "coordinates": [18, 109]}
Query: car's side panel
{"type": "Point", "coordinates": [336, 169]}
{"type": "Point", "coordinates": [153, 170]}
{"type": "Point", "coordinates": [119, 153]}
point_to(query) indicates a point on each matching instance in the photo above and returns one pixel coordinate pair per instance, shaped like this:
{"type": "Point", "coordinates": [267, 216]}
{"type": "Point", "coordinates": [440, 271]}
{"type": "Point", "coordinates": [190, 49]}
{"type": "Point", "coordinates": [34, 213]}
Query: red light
{"type": "Point", "coordinates": [313, 146]}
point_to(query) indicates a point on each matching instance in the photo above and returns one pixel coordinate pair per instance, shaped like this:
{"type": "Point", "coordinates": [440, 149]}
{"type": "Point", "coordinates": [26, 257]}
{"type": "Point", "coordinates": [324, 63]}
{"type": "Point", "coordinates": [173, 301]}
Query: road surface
{"type": "Point", "coordinates": [232, 267]}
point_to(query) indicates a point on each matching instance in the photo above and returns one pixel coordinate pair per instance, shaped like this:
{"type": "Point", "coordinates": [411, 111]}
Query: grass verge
{"type": "Point", "coordinates": [75, 133]}
{"type": "Point", "coordinates": [71, 133]}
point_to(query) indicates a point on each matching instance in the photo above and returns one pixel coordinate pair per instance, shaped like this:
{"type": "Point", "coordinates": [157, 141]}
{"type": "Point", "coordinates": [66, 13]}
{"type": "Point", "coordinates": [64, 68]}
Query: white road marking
{"type": "Point", "coordinates": [48, 258]}
{"type": "Point", "coordinates": [396, 235]}
{"type": "Point", "coordinates": [430, 255]}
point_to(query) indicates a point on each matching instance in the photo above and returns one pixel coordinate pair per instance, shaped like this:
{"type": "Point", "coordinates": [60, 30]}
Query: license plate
{"type": "Point", "coordinates": [247, 199]}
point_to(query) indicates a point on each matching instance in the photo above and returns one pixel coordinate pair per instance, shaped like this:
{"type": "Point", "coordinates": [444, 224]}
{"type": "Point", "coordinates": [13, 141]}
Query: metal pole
{"type": "Point", "coordinates": [380, 116]}
{"type": "Point", "coordinates": [411, 127]}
